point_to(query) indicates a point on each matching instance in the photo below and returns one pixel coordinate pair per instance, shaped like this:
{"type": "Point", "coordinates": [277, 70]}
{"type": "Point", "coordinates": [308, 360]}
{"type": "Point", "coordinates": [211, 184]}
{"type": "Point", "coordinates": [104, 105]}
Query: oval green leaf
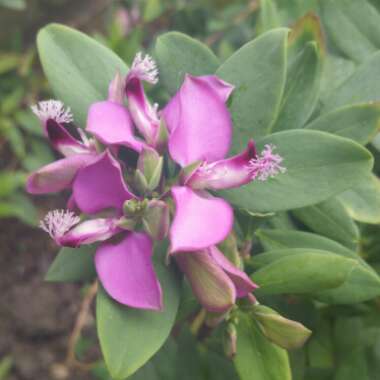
{"type": "Point", "coordinates": [360, 87]}
{"type": "Point", "coordinates": [78, 68]}
{"type": "Point", "coordinates": [319, 165]}
{"type": "Point", "coordinates": [256, 357]}
{"type": "Point", "coordinates": [302, 273]}
{"type": "Point", "coordinates": [73, 264]}
{"type": "Point", "coordinates": [359, 122]}
{"type": "Point", "coordinates": [357, 19]}
{"type": "Point", "coordinates": [301, 90]}
{"type": "Point", "coordinates": [258, 72]}
{"type": "Point", "coordinates": [130, 337]}
{"type": "Point", "coordinates": [363, 201]}
{"type": "Point", "coordinates": [178, 54]}
{"type": "Point", "coordinates": [331, 219]}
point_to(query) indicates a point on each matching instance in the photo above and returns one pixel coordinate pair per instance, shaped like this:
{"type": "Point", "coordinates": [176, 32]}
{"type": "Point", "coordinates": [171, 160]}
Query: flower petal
{"type": "Point", "coordinates": [126, 272]}
{"type": "Point", "coordinates": [199, 121]}
{"type": "Point", "coordinates": [200, 220]}
{"type": "Point", "coordinates": [88, 232]}
{"type": "Point", "coordinates": [111, 124]}
{"type": "Point", "coordinates": [143, 114]}
{"type": "Point", "coordinates": [244, 285]}
{"type": "Point", "coordinates": [212, 287]}
{"type": "Point", "coordinates": [63, 142]}
{"type": "Point", "coordinates": [58, 175]}
{"type": "Point", "coordinates": [101, 185]}
{"type": "Point", "coordinates": [224, 174]}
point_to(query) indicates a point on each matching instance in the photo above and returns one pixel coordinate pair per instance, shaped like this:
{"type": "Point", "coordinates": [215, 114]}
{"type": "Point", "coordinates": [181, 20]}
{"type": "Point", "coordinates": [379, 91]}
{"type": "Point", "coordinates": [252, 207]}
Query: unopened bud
{"type": "Point", "coordinates": [116, 90]}
{"type": "Point", "coordinates": [150, 165]}
{"type": "Point", "coordinates": [156, 219]}
{"type": "Point", "coordinates": [284, 332]}
{"type": "Point", "coordinates": [229, 247]}
{"type": "Point", "coordinates": [134, 207]}
{"type": "Point", "coordinates": [162, 136]}
{"type": "Point", "coordinates": [229, 340]}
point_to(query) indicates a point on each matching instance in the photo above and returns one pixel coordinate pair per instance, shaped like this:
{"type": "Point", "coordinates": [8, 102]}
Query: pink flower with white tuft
{"type": "Point", "coordinates": [267, 165]}
{"type": "Point", "coordinates": [52, 110]}
{"type": "Point", "coordinates": [144, 68]}
{"type": "Point", "coordinates": [59, 175]}
{"type": "Point", "coordinates": [57, 222]}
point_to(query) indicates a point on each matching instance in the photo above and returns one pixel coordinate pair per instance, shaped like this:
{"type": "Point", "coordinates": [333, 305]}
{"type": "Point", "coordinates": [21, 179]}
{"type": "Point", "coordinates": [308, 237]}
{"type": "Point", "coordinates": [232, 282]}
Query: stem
{"type": "Point", "coordinates": [71, 360]}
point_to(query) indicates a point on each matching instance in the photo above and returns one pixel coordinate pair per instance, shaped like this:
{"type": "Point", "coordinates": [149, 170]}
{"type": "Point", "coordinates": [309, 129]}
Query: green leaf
{"type": "Point", "coordinates": [301, 271]}
{"type": "Point", "coordinates": [130, 337]}
{"type": "Point", "coordinates": [17, 5]}
{"type": "Point", "coordinates": [283, 239]}
{"type": "Point", "coordinates": [359, 122]}
{"type": "Point", "coordinates": [363, 201]}
{"type": "Point", "coordinates": [20, 206]}
{"type": "Point", "coordinates": [258, 71]}
{"type": "Point", "coordinates": [256, 357]}
{"type": "Point", "coordinates": [178, 54]}
{"type": "Point", "coordinates": [320, 348]}
{"type": "Point", "coordinates": [284, 332]}
{"type": "Point", "coordinates": [353, 26]}
{"type": "Point", "coordinates": [319, 165]}
{"type": "Point", "coordinates": [335, 71]}
{"type": "Point", "coordinates": [351, 362]}
{"type": "Point", "coordinates": [360, 87]}
{"type": "Point", "coordinates": [307, 29]}
{"type": "Point", "coordinates": [78, 68]}
{"type": "Point", "coordinates": [301, 89]}
{"type": "Point", "coordinates": [73, 264]}
{"type": "Point", "coordinates": [330, 219]}
{"type": "Point", "coordinates": [10, 181]}
{"type": "Point", "coordinates": [362, 284]}
{"type": "Point", "coordinates": [268, 16]}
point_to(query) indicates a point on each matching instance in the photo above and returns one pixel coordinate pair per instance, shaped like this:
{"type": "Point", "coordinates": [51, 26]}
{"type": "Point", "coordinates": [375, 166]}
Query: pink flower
{"type": "Point", "coordinates": [200, 130]}
{"type": "Point", "coordinates": [59, 175]}
{"type": "Point", "coordinates": [123, 267]}
{"type": "Point", "coordinates": [200, 137]}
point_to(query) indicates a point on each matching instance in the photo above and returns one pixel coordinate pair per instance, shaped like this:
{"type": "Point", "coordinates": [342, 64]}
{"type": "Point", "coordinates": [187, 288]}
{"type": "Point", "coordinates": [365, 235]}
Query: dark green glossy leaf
{"type": "Point", "coordinates": [258, 71]}
{"type": "Point", "coordinates": [178, 54]}
{"type": "Point", "coordinates": [73, 264]}
{"type": "Point", "coordinates": [78, 68]}
{"type": "Point", "coordinates": [319, 165]}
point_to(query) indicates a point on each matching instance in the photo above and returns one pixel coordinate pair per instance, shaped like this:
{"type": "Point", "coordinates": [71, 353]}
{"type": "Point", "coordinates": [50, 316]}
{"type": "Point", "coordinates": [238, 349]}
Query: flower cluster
{"type": "Point", "coordinates": [128, 203]}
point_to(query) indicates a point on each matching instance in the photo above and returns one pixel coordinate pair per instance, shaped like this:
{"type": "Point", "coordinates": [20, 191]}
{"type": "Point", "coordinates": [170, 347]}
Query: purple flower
{"type": "Point", "coordinates": [200, 137]}
{"type": "Point", "coordinates": [124, 267]}
{"type": "Point", "coordinates": [59, 175]}
{"type": "Point", "coordinates": [196, 127]}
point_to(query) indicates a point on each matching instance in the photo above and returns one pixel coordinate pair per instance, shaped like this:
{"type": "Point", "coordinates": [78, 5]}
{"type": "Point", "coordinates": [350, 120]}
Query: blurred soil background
{"type": "Point", "coordinates": [36, 317]}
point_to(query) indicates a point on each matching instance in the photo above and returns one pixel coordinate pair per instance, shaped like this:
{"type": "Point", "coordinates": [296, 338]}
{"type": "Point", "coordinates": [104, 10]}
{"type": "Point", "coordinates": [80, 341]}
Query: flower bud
{"type": "Point", "coordinates": [162, 136]}
{"type": "Point", "coordinates": [156, 219]}
{"type": "Point", "coordinates": [134, 207]}
{"type": "Point", "coordinates": [229, 340]}
{"type": "Point", "coordinates": [229, 248]}
{"type": "Point", "coordinates": [284, 332]}
{"type": "Point", "coordinates": [116, 90]}
{"type": "Point", "coordinates": [150, 165]}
